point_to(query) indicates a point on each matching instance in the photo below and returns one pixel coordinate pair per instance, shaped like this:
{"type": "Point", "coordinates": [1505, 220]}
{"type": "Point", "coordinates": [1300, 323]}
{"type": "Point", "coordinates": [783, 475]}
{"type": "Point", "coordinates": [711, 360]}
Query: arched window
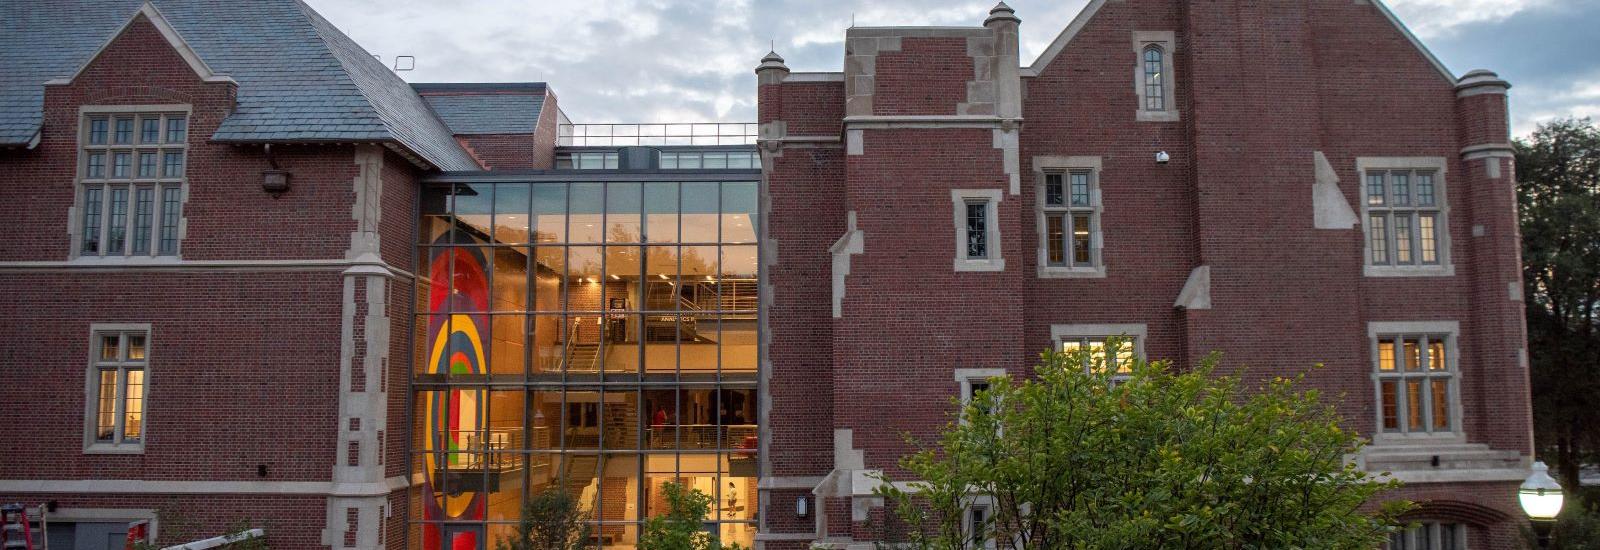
{"type": "Point", "coordinates": [1155, 93]}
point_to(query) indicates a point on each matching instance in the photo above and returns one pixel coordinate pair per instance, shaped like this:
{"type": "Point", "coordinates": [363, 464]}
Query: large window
{"type": "Point", "coordinates": [1405, 211]}
{"type": "Point", "coordinates": [1415, 379]}
{"type": "Point", "coordinates": [709, 160]}
{"type": "Point", "coordinates": [130, 191]}
{"type": "Point", "coordinates": [593, 337]}
{"type": "Point", "coordinates": [1072, 220]}
{"type": "Point", "coordinates": [1112, 347]}
{"type": "Point", "coordinates": [117, 388]}
{"type": "Point", "coordinates": [596, 160]}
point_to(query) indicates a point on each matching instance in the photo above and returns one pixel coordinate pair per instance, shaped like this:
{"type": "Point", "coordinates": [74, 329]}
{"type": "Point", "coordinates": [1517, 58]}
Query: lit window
{"type": "Point", "coordinates": [1071, 220]}
{"type": "Point", "coordinates": [121, 203]}
{"type": "Point", "coordinates": [1405, 213]}
{"type": "Point", "coordinates": [118, 389]}
{"type": "Point", "coordinates": [1416, 383]}
{"type": "Point", "coordinates": [1430, 536]}
{"type": "Point", "coordinates": [1102, 353]}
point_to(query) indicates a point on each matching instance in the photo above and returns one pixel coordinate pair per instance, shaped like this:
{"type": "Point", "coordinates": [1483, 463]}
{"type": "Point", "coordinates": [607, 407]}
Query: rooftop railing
{"type": "Point", "coordinates": [686, 133]}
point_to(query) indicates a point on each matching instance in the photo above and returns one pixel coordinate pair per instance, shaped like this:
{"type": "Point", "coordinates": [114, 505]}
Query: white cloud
{"type": "Point", "coordinates": [1436, 18]}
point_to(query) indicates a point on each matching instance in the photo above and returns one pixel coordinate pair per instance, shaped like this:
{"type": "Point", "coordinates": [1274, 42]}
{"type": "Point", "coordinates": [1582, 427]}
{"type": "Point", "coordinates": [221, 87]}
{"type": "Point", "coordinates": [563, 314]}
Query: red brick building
{"type": "Point", "coordinates": [260, 278]}
{"type": "Point", "coordinates": [1289, 183]}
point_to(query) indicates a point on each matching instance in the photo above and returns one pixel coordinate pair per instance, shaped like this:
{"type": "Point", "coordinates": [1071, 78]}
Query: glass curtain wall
{"type": "Point", "coordinates": [591, 337]}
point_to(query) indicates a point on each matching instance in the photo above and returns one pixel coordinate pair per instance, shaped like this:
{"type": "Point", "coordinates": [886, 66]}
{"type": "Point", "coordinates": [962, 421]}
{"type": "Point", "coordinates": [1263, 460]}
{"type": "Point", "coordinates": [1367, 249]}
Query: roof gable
{"type": "Point", "coordinates": [299, 79]}
{"type": "Point", "coordinates": [149, 12]}
{"type": "Point", "coordinates": [1067, 34]}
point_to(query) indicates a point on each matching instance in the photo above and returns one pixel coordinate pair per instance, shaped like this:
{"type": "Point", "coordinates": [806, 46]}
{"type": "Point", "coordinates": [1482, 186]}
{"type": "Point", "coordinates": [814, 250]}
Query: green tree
{"type": "Point", "coordinates": [551, 520]}
{"type": "Point", "coordinates": [681, 527]}
{"type": "Point", "coordinates": [1559, 178]}
{"type": "Point", "coordinates": [1077, 458]}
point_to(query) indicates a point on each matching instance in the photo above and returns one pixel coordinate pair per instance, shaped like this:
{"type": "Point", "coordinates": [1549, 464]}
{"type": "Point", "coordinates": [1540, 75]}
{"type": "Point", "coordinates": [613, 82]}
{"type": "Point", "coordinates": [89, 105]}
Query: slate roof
{"type": "Point", "coordinates": [476, 109]}
{"type": "Point", "coordinates": [300, 78]}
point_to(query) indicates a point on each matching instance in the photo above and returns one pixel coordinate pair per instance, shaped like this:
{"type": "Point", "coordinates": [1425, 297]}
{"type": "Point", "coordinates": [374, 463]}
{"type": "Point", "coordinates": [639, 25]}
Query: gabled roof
{"type": "Point", "coordinates": [1067, 34]}
{"type": "Point", "coordinates": [486, 108]}
{"type": "Point", "coordinates": [300, 78]}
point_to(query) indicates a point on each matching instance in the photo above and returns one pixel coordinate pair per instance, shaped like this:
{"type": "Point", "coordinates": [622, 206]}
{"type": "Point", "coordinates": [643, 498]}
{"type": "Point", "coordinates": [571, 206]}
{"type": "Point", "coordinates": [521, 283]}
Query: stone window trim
{"type": "Point", "coordinates": [1167, 43]}
{"type": "Point", "coordinates": [1043, 166]}
{"type": "Point", "coordinates": [1451, 331]}
{"type": "Point", "coordinates": [968, 378]}
{"type": "Point", "coordinates": [1137, 333]}
{"type": "Point", "coordinates": [972, 506]}
{"type": "Point", "coordinates": [156, 184]}
{"type": "Point", "coordinates": [91, 444]}
{"type": "Point", "coordinates": [1440, 168]}
{"type": "Point", "coordinates": [991, 198]}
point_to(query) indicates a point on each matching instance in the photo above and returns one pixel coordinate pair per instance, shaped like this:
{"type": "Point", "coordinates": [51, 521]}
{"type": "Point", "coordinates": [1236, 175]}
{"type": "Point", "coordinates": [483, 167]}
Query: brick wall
{"type": "Point", "coordinates": [1260, 88]}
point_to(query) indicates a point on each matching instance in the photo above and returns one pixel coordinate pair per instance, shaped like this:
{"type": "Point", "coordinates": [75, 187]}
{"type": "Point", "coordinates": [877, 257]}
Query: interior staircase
{"type": "Point", "coordinates": [583, 357]}
{"type": "Point", "coordinates": [578, 472]}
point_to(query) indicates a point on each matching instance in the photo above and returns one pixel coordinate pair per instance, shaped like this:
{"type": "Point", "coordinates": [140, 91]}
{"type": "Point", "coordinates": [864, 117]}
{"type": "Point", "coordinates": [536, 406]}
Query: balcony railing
{"type": "Point", "coordinates": [656, 134]}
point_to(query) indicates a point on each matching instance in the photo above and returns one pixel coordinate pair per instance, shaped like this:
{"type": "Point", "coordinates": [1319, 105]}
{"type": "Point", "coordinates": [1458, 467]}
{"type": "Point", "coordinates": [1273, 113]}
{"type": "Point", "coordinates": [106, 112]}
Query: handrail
{"type": "Point", "coordinates": [684, 133]}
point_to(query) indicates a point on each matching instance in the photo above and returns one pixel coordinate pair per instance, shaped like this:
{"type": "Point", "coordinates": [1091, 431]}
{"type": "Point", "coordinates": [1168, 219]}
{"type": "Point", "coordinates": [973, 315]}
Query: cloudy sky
{"type": "Point", "coordinates": [691, 60]}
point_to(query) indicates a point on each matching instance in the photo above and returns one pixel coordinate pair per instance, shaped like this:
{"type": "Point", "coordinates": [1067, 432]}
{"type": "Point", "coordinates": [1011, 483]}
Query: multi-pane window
{"type": "Point", "coordinates": [709, 160]}
{"type": "Point", "coordinates": [1070, 219]}
{"type": "Point", "coordinates": [117, 378]}
{"type": "Point", "coordinates": [1416, 383]}
{"type": "Point", "coordinates": [590, 160]}
{"type": "Point", "coordinates": [977, 229]}
{"type": "Point", "coordinates": [1405, 218]}
{"type": "Point", "coordinates": [593, 337]}
{"type": "Point", "coordinates": [131, 184]}
{"type": "Point", "coordinates": [1116, 357]}
{"type": "Point", "coordinates": [1155, 93]}
{"type": "Point", "coordinates": [1430, 536]}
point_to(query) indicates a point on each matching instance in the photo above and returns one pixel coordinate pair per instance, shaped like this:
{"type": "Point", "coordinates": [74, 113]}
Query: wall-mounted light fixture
{"type": "Point", "coordinates": [273, 180]}
{"type": "Point", "coordinates": [1162, 157]}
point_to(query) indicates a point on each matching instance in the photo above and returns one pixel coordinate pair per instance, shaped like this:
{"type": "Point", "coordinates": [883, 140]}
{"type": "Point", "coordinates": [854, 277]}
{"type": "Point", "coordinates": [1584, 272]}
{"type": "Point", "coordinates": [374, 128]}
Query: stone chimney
{"type": "Point", "coordinates": [1005, 70]}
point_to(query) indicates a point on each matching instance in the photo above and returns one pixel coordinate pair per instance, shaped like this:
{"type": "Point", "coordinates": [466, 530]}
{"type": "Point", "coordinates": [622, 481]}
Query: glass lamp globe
{"type": "Point", "coordinates": [1541, 495]}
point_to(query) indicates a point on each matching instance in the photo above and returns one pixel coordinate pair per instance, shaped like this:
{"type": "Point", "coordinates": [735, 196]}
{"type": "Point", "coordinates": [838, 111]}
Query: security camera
{"type": "Point", "coordinates": [1162, 157]}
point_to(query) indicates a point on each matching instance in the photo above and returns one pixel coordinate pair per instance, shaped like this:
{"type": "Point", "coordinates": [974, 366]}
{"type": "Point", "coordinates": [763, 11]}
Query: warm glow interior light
{"type": "Point", "coordinates": [1540, 495]}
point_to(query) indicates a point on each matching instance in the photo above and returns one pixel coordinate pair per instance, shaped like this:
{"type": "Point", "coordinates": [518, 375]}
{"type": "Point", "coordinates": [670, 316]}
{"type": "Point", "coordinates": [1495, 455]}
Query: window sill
{"type": "Point", "coordinates": [114, 449]}
{"type": "Point", "coordinates": [1158, 116]}
{"type": "Point", "coordinates": [1057, 272]}
{"type": "Point", "coordinates": [125, 260]}
{"type": "Point", "coordinates": [997, 264]}
{"type": "Point", "coordinates": [1445, 270]}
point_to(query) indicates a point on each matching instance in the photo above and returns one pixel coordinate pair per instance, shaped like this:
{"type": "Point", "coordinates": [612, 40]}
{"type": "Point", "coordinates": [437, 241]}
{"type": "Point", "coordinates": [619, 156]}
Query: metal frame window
{"type": "Point", "coordinates": [587, 160]}
{"type": "Point", "coordinates": [977, 229]}
{"type": "Point", "coordinates": [709, 160]}
{"type": "Point", "coordinates": [1095, 338]}
{"type": "Point", "coordinates": [1430, 535]}
{"type": "Point", "coordinates": [1154, 83]}
{"type": "Point", "coordinates": [1415, 382]}
{"type": "Point", "coordinates": [118, 388]}
{"type": "Point", "coordinates": [1068, 204]}
{"type": "Point", "coordinates": [131, 179]}
{"type": "Point", "coordinates": [1406, 214]}
{"type": "Point", "coordinates": [618, 347]}
{"type": "Point", "coordinates": [1155, 94]}
{"type": "Point", "coordinates": [1072, 219]}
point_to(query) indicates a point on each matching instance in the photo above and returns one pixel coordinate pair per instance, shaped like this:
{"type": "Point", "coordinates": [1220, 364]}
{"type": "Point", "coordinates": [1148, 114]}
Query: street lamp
{"type": "Point", "coordinates": [1541, 499]}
